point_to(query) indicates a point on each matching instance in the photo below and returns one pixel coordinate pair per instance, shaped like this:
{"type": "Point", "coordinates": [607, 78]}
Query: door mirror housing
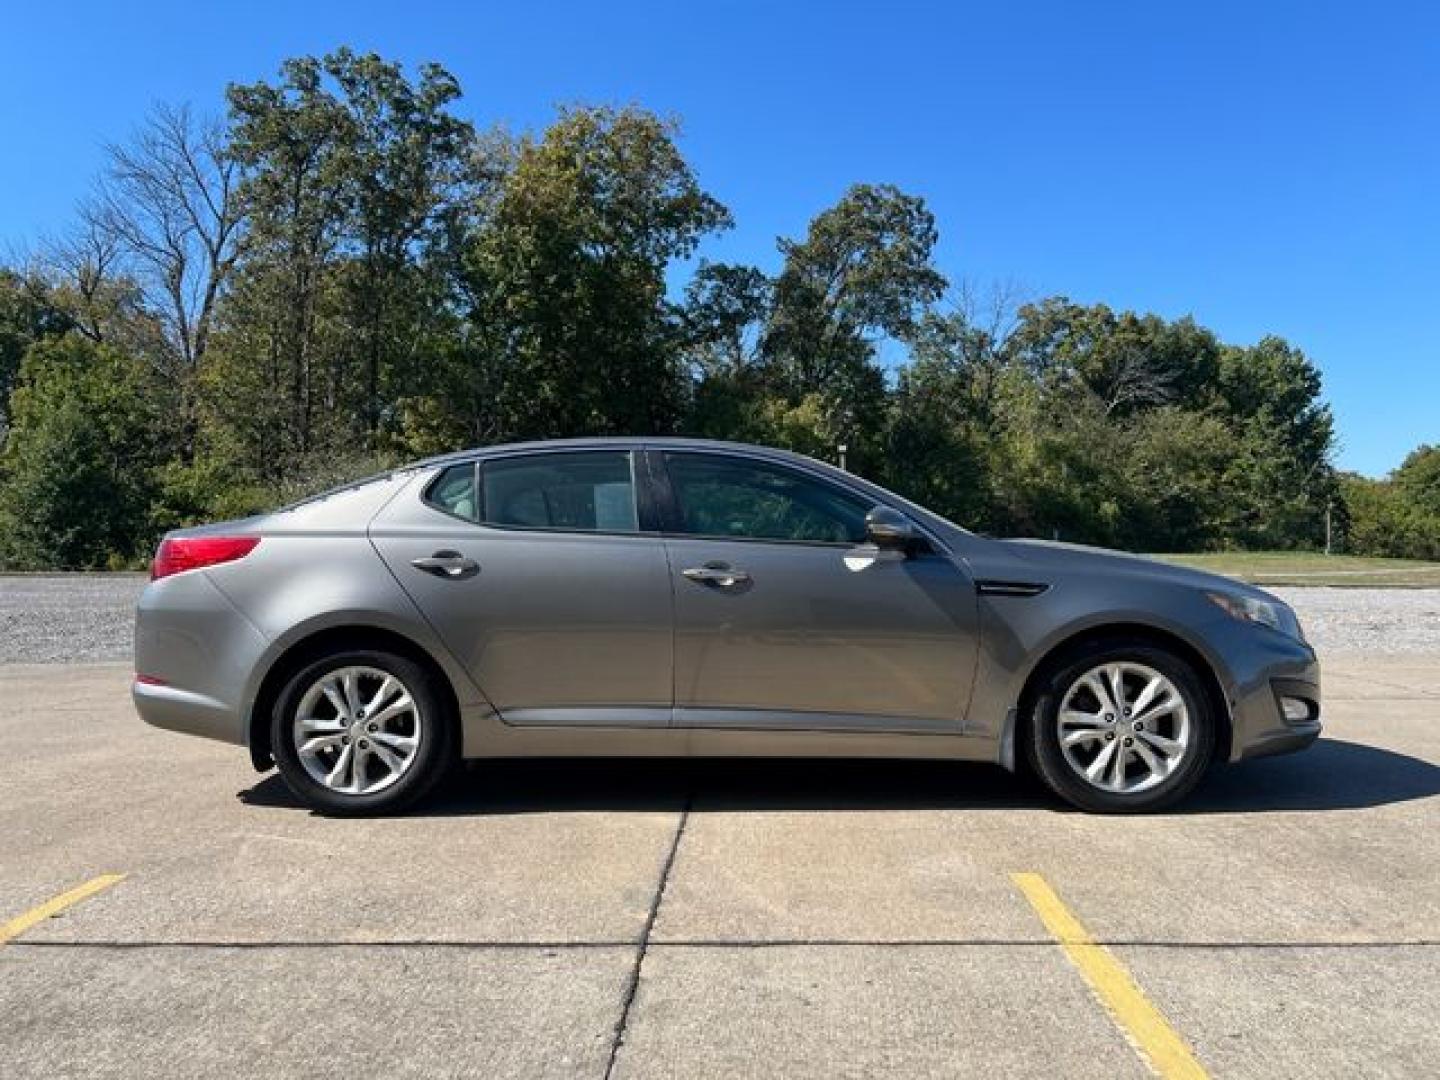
{"type": "Point", "coordinates": [890, 530]}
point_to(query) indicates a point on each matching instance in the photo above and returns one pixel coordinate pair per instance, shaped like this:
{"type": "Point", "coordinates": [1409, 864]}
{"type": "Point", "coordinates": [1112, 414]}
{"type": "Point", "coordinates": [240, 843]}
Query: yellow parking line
{"type": "Point", "coordinates": [1143, 1024]}
{"type": "Point", "coordinates": [18, 925]}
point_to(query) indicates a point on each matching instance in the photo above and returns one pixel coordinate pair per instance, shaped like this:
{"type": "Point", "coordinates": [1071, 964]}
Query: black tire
{"type": "Point", "coordinates": [435, 756]}
{"type": "Point", "coordinates": [1042, 736]}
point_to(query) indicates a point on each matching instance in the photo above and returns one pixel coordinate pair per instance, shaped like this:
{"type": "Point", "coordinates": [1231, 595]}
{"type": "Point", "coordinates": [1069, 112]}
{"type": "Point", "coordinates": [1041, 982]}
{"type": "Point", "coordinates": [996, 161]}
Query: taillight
{"type": "Point", "coordinates": [178, 553]}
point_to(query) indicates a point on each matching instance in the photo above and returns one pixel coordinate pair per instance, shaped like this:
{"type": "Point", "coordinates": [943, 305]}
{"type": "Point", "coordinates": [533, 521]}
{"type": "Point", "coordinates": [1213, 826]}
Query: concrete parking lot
{"type": "Point", "coordinates": [659, 919]}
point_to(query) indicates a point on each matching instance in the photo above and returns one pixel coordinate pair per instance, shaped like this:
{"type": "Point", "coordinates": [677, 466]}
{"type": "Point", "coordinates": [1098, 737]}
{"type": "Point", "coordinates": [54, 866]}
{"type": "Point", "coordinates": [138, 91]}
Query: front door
{"type": "Point", "coordinates": [538, 575]}
{"type": "Point", "coordinates": [784, 619]}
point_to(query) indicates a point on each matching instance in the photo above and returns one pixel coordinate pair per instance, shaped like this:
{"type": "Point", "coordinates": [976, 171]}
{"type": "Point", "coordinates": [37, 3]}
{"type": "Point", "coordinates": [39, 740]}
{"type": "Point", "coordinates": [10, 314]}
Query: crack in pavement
{"type": "Point", "coordinates": [632, 987]}
{"type": "Point", "coordinates": [645, 944]}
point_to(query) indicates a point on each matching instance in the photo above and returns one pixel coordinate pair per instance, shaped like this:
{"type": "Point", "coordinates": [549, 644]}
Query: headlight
{"type": "Point", "coordinates": [1252, 609]}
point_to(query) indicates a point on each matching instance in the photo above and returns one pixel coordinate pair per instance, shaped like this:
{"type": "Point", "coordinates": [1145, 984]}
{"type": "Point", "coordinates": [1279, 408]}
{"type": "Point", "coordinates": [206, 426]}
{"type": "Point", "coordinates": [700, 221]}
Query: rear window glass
{"type": "Point", "coordinates": [454, 492]}
{"type": "Point", "coordinates": [588, 491]}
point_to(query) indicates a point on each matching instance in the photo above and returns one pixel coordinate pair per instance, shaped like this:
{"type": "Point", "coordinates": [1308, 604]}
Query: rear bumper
{"type": "Point", "coordinates": [200, 651]}
{"type": "Point", "coordinates": [185, 711]}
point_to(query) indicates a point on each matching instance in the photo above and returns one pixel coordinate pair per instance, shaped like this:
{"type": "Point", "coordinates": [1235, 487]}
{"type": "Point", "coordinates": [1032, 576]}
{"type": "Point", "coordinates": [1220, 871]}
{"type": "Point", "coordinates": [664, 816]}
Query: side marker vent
{"type": "Point", "coordinates": [990, 587]}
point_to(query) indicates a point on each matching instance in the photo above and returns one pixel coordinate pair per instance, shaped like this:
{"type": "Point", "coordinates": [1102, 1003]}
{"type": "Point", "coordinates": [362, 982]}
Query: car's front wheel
{"type": "Point", "coordinates": [1122, 727]}
{"type": "Point", "coordinates": [361, 732]}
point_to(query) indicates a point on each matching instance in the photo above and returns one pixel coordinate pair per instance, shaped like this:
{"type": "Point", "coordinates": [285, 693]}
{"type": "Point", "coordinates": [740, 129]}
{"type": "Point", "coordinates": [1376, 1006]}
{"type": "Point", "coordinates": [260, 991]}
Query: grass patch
{"type": "Point", "coordinates": [1310, 568]}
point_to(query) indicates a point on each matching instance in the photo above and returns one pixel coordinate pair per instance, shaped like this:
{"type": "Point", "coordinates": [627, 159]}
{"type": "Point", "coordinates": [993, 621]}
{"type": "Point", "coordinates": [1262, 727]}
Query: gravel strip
{"type": "Point", "coordinates": [74, 618]}
{"type": "Point", "coordinates": [1383, 621]}
{"type": "Point", "coordinates": [67, 618]}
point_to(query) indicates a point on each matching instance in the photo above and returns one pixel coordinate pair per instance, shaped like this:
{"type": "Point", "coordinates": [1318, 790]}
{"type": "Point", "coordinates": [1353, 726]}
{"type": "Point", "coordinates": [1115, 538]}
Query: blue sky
{"type": "Point", "coordinates": [1266, 167]}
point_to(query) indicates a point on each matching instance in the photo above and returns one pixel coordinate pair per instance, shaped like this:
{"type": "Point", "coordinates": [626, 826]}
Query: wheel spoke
{"type": "Point", "coordinates": [322, 725]}
{"type": "Point", "coordinates": [392, 761]}
{"type": "Point", "coordinates": [1075, 718]}
{"type": "Point", "coordinates": [320, 742]}
{"type": "Point", "coordinates": [1096, 768]}
{"type": "Point", "coordinates": [1152, 688]}
{"type": "Point", "coordinates": [1083, 735]}
{"type": "Point", "coordinates": [351, 683]}
{"type": "Point", "coordinates": [388, 687]}
{"type": "Point", "coordinates": [1156, 766]}
{"type": "Point", "coordinates": [400, 705]}
{"type": "Point", "coordinates": [1168, 747]}
{"type": "Point", "coordinates": [337, 699]}
{"type": "Point", "coordinates": [1115, 679]}
{"type": "Point", "coordinates": [338, 777]}
{"type": "Point", "coordinates": [1169, 704]}
{"type": "Point", "coordinates": [361, 773]}
{"type": "Point", "coordinates": [405, 744]}
{"type": "Point", "coordinates": [1102, 694]}
{"type": "Point", "coordinates": [1117, 769]}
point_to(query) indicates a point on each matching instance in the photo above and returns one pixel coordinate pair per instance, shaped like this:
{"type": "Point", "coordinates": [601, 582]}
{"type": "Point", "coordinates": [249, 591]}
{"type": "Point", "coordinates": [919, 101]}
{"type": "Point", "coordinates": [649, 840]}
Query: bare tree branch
{"type": "Point", "coordinates": [168, 205]}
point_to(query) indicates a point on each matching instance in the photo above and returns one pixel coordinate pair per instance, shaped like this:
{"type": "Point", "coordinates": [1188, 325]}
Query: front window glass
{"type": "Point", "coordinates": [585, 491]}
{"type": "Point", "coordinates": [725, 496]}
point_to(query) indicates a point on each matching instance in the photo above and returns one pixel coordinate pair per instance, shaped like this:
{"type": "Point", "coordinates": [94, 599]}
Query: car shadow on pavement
{"type": "Point", "coordinates": [1332, 775]}
{"type": "Point", "coordinates": [528, 786]}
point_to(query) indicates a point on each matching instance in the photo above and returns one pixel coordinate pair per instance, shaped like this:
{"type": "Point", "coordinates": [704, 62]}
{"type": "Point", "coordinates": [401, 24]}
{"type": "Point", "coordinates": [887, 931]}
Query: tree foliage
{"type": "Point", "coordinates": [571, 329]}
{"type": "Point", "coordinates": [79, 464]}
{"type": "Point", "coordinates": [343, 271]}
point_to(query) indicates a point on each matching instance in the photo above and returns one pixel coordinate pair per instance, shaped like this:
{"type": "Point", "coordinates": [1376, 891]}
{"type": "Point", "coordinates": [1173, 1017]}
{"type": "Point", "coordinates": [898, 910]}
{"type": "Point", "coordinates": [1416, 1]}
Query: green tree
{"type": "Point", "coordinates": [864, 268]}
{"type": "Point", "coordinates": [1379, 519]}
{"type": "Point", "coordinates": [571, 328]}
{"type": "Point", "coordinates": [406, 169]}
{"type": "Point", "coordinates": [345, 272]}
{"type": "Point", "coordinates": [863, 272]}
{"type": "Point", "coordinates": [26, 316]}
{"type": "Point", "coordinates": [723, 320]}
{"type": "Point", "coordinates": [945, 423]}
{"type": "Point", "coordinates": [354, 180]}
{"type": "Point", "coordinates": [1418, 479]}
{"type": "Point", "coordinates": [77, 474]}
{"type": "Point", "coordinates": [1126, 361]}
{"type": "Point", "coordinates": [1280, 475]}
{"type": "Point", "coordinates": [278, 372]}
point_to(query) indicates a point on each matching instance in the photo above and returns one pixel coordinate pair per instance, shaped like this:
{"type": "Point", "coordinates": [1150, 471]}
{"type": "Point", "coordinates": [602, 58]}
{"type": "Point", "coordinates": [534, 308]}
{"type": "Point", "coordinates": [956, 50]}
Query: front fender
{"type": "Point", "coordinates": [1019, 634]}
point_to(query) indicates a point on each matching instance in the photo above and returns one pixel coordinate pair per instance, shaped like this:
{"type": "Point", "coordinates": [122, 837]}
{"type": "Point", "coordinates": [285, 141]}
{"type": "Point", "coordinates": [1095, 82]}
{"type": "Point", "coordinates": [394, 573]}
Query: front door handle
{"type": "Point", "coordinates": [717, 574]}
{"type": "Point", "coordinates": [447, 564]}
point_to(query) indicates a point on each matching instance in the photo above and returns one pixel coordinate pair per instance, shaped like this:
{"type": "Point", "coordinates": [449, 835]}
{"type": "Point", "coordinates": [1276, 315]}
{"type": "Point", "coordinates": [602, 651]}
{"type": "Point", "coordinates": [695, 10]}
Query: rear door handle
{"type": "Point", "coordinates": [447, 564]}
{"type": "Point", "coordinates": [716, 574]}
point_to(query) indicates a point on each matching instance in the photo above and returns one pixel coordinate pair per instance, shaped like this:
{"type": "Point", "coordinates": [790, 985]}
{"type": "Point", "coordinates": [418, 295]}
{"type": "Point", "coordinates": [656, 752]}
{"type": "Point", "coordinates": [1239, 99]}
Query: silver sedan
{"type": "Point", "coordinates": [622, 597]}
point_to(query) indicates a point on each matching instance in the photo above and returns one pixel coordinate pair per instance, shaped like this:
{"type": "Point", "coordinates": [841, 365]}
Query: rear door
{"type": "Point", "coordinates": [543, 574]}
{"type": "Point", "coordinates": [785, 620]}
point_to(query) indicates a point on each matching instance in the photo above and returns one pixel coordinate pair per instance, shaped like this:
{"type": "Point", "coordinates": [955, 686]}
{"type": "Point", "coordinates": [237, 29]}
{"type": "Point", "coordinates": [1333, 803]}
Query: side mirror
{"type": "Point", "coordinates": [890, 530]}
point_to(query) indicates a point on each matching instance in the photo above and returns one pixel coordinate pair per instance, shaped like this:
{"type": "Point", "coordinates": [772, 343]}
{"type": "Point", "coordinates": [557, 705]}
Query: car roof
{"type": "Point", "coordinates": [671, 442]}
{"type": "Point", "coordinates": [605, 442]}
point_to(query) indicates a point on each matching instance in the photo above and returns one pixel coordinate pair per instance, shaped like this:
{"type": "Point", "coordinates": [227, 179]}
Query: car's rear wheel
{"type": "Point", "coordinates": [1122, 727]}
{"type": "Point", "coordinates": [361, 732]}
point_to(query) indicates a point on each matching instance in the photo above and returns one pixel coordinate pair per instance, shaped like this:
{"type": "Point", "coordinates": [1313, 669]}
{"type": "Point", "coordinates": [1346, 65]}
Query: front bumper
{"type": "Point", "coordinates": [1274, 669]}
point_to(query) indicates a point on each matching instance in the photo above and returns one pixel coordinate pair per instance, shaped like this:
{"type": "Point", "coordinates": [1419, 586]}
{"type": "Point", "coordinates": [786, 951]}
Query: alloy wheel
{"type": "Point", "coordinates": [357, 730]}
{"type": "Point", "coordinates": [1124, 727]}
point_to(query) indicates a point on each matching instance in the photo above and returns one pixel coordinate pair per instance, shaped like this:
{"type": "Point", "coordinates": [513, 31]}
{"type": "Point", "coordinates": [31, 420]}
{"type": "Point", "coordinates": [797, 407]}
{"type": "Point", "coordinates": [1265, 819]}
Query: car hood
{"type": "Point", "coordinates": [1013, 559]}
